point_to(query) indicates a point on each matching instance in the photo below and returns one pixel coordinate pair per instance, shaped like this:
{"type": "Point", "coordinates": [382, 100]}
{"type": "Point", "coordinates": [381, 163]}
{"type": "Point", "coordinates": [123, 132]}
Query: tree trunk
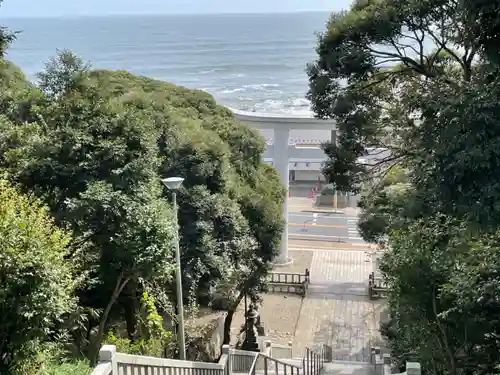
{"type": "Point", "coordinates": [129, 302]}
{"type": "Point", "coordinates": [227, 326]}
{"type": "Point", "coordinates": [120, 284]}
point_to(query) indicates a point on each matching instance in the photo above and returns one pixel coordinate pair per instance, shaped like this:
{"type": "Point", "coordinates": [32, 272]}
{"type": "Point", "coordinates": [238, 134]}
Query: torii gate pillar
{"type": "Point", "coordinates": [282, 127]}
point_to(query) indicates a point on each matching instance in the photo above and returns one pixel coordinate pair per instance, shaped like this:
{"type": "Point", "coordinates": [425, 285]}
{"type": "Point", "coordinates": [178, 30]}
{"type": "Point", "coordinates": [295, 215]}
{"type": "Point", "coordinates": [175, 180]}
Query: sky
{"type": "Point", "coordinates": [57, 8]}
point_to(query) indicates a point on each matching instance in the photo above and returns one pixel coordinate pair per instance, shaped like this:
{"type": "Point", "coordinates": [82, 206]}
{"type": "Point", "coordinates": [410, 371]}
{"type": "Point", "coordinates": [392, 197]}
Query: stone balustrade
{"type": "Point", "coordinates": [382, 364]}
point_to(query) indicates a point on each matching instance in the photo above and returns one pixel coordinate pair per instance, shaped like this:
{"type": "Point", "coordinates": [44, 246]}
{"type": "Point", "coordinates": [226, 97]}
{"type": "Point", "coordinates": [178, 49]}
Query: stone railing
{"type": "Point", "coordinates": [113, 363]}
{"type": "Point", "coordinates": [290, 282]}
{"type": "Point", "coordinates": [281, 351]}
{"type": "Point", "coordinates": [314, 360]}
{"type": "Point", "coordinates": [232, 361]}
{"type": "Point", "coordinates": [382, 364]}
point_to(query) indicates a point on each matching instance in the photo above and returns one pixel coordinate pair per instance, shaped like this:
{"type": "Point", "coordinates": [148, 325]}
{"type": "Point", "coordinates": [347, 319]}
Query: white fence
{"type": "Point", "coordinates": [232, 361]}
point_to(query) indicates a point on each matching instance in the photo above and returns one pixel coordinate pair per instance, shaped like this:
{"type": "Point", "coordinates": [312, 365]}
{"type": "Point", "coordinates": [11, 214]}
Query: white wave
{"type": "Point", "coordinates": [262, 86]}
{"type": "Point", "coordinates": [207, 71]}
{"type": "Point", "coordinates": [232, 91]}
{"type": "Point", "coordinates": [297, 106]}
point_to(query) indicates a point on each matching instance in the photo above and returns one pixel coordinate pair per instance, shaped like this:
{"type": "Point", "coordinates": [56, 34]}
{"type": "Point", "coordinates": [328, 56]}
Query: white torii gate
{"type": "Point", "coordinates": [282, 126]}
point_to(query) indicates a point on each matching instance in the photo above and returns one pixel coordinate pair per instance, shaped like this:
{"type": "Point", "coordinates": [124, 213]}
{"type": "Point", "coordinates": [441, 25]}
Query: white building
{"type": "Point", "coordinates": [306, 157]}
{"type": "Point", "coordinates": [304, 150]}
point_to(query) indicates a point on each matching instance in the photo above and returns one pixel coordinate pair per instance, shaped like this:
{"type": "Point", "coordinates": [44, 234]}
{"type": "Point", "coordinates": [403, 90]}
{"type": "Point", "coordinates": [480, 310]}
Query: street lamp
{"type": "Point", "coordinates": [173, 184]}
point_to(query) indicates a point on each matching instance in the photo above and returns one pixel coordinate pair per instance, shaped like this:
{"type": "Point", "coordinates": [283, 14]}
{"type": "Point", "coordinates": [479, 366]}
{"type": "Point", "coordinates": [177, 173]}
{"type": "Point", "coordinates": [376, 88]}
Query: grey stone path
{"type": "Point", "coordinates": [337, 310]}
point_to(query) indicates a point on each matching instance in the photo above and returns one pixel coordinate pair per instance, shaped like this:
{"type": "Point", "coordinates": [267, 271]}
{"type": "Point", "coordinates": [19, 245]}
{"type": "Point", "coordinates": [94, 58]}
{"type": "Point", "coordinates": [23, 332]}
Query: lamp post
{"type": "Point", "coordinates": [173, 184]}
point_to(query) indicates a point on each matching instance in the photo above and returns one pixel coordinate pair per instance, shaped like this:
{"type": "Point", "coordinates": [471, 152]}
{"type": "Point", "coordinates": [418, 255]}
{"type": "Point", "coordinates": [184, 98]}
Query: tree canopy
{"type": "Point", "coordinates": [93, 145]}
{"type": "Point", "coordinates": [420, 78]}
{"type": "Point", "coordinates": [37, 280]}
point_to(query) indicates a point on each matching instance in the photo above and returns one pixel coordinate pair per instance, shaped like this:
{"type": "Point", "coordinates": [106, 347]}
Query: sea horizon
{"type": "Point", "coordinates": [180, 14]}
{"type": "Point", "coordinates": [248, 61]}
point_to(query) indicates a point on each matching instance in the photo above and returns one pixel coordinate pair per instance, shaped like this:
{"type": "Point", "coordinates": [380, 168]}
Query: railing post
{"type": "Point", "coordinates": [378, 363]}
{"type": "Point", "coordinates": [265, 365]}
{"type": "Point", "coordinates": [386, 364]}
{"type": "Point", "coordinates": [374, 354]}
{"type": "Point", "coordinates": [330, 353]}
{"type": "Point", "coordinates": [309, 362]}
{"type": "Point", "coordinates": [106, 355]}
{"type": "Point", "coordinates": [306, 362]}
{"type": "Point", "coordinates": [229, 364]}
{"type": "Point", "coordinates": [413, 368]}
{"type": "Point", "coordinates": [268, 348]}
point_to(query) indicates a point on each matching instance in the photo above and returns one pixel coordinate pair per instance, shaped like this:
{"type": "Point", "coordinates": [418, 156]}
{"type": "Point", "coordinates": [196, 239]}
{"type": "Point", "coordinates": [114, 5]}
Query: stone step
{"type": "Point", "coordinates": [347, 368]}
{"type": "Point", "coordinates": [331, 368]}
{"type": "Point", "coordinates": [292, 361]}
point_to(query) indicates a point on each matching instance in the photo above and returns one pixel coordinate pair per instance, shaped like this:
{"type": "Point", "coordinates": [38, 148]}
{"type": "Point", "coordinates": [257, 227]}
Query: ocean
{"type": "Point", "coordinates": [253, 62]}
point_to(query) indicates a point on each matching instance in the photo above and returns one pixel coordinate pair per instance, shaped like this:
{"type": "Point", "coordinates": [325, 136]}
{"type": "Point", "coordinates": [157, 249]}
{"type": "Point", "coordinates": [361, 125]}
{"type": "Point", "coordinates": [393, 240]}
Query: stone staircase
{"type": "Point", "coordinates": [240, 362]}
{"type": "Point", "coordinates": [333, 334]}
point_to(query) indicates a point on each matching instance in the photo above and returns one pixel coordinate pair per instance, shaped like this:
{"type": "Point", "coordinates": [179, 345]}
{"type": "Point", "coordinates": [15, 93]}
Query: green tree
{"type": "Point", "coordinates": [383, 69]}
{"type": "Point", "coordinates": [448, 322]}
{"type": "Point", "coordinates": [421, 79]}
{"type": "Point", "coordinates": [36, 278]}
{"type": "Point", "coordinates": [388, 204]}
{"type": "Point", "coordinates": [95, 151]}
{"type": "Point", "coordinates": [6, 37]}
{"type": "Point", "coordinates": [94, 162]}
{"type": "Point", "coordinates": [231, 204]}
{"type": "Point", "coordinates": [62, 73]}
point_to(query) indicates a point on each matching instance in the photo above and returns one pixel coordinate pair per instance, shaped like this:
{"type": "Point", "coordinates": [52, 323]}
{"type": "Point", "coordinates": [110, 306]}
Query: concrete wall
{"type": "Point", "coordinates": [206, 335]}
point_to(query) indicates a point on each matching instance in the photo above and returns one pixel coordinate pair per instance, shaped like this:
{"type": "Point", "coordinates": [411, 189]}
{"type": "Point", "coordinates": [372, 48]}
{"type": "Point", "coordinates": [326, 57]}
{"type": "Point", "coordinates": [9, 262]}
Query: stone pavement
{"type": "Point", "coordinates": [279, 312]}
{"type": "Point", "coordinates": [347, 368]}
{"type": "Point", "coordinates": [336, 310]}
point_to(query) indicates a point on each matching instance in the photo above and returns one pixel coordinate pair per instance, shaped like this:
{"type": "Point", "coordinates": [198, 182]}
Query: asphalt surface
{"type": "Point", "coordinates": [324, 227]}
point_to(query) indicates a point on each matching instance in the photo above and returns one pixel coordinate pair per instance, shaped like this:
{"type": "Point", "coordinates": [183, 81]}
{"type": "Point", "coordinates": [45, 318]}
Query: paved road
{"type": "Point", "coordinates": [324, 227]}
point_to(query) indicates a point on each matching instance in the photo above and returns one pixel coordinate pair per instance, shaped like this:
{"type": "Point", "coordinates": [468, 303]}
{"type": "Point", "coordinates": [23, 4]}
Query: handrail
{"type": "Point", "coordinates": [293, 369]}
{"type": "Point", "coordinates": [277, 360]}
{"type": "Point", "coordinates": [224, 361]}
{"type": "Point", "coordinates": [231, 361]}
{"type": "Point", "coordinates": [102, 369]}
{"type": "Point", "coordinates": [313, 361]}
{"type": "Point", "coordinates": [254, 365]}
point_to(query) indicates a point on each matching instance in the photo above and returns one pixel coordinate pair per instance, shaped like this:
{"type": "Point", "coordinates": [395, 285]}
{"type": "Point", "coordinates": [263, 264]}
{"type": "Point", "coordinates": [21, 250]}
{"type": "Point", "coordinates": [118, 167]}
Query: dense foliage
{"type": "Point", "coordinates": [93, 145]}
{"type": "Point", "coordinates": [36, 279]}
{"type": "Point", "coordinates": [420, 78]}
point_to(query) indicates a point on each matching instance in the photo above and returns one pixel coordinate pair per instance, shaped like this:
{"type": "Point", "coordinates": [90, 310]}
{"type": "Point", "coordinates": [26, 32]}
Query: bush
{"type": "Point", "coordinates": [35, 278]}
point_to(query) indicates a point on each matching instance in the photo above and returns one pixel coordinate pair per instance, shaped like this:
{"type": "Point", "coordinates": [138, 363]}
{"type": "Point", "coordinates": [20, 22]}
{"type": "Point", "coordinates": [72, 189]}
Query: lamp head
{"type": "Point", "coordinates": [172, 183]}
